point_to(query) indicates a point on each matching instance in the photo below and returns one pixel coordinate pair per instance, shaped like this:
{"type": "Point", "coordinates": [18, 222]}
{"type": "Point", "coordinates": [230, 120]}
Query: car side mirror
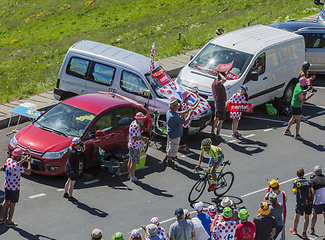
{"type": "Point", "coordinates": [99, 133]}
{"type": "Point", "coordinates": [254, 76]}
{"type": "Point", "coordinates": [317, 2]}
{"type": "Point", "coordinates": [192, 56]}
{"type": "Point", "coordinates": [146, 93]}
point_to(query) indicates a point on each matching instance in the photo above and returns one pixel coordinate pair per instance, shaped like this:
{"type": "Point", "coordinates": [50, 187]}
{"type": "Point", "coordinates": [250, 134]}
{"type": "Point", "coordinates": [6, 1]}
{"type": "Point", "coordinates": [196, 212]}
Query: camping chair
{"type": "Point", "coordinates": [156, 130]}
{"type": "Point", "coordinates": [109, 167]}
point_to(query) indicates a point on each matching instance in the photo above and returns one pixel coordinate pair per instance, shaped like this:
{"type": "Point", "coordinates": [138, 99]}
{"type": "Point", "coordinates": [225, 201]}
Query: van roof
{"type": "Point", "coordinates": [134, 60]}
{"type": "Point", "coordinates": [252, 39]}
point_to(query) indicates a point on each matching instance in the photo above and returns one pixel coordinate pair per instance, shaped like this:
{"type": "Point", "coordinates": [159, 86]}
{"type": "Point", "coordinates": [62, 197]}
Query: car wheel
{"type": "Point", "coordinates": [81, 167]}
{"type": "Point", "coordinates": [288, 92]}
{"type": "Point", "coordinates": [144, 145]}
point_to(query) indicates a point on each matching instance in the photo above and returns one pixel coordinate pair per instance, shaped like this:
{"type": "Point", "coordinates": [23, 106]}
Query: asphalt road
{"type": "Point", "coordinates": [263, 154]}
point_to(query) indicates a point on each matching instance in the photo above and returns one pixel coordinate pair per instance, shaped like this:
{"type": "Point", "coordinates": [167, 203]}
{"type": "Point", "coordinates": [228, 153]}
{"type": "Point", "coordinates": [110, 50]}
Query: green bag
{"type": "Point", "coordinates": [271, 110]}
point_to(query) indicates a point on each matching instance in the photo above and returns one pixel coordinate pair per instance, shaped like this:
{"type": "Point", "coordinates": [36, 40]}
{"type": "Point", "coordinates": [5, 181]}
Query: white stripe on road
{"type": "Point", "coordinates": [266, 119]}
{"type": "Point", "coordinates": [321, 112]}
{"type": "Point", "coordinates": [267, 130]}
{"type": "Point", "coordinates": [223, 135]}
{"type": "Point", "coordinates": [186, 155]}
{"type": "Point", "coordinates": [251, 135]}
{"type": "Point", "coordinates": [231, 141]}
{"type": "Point", "coordinates": [60, 189]}
{"type": "Point", "coordinates": [37, 195]}
{"type": "Point", "coordinates": [92, 181]}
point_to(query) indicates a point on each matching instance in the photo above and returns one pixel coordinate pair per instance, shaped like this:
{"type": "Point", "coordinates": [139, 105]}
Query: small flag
{"type": "Point", "coordinates": [152, 56]}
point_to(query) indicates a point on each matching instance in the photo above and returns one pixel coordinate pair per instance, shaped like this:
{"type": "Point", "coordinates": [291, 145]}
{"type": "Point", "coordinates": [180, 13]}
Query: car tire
{"type": "Point", "coordinates": [288, 92]}
{"type": "Point", "coordinates": [144, 146]}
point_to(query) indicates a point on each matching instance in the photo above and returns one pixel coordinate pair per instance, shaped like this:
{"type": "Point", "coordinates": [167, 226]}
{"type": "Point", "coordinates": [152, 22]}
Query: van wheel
{"type": "Point", "coordinates": [288, 92]}
{"type": "Point", "coordinates": [144, 146]}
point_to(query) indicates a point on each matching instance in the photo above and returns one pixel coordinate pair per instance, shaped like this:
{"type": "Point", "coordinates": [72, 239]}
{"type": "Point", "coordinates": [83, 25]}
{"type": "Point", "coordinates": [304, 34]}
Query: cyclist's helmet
{"type": "Point", "coordinates": [206, 143]}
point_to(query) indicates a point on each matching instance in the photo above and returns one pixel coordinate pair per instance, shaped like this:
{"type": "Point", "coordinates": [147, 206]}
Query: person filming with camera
{"type": "Point", "coordinates": [297, 100]}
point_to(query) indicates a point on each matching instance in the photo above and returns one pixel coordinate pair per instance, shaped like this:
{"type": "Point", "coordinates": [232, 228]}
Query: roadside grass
{"type": "Point", "coordinates": [35, 34]}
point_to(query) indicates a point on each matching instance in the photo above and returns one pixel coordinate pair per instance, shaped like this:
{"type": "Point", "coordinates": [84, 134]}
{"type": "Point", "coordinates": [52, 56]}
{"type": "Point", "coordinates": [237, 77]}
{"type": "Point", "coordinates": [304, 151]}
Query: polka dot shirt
{"type": "Point", "coordinates": [224, 230]}
{"type": "Point", "coordinates": [236, 98]}
{"type": "Point", "coordinates": [134, 130]}
{"type": "Point", "coordinates": [185, 106]}
{"type": "Point", "coordinates": [12, 174]}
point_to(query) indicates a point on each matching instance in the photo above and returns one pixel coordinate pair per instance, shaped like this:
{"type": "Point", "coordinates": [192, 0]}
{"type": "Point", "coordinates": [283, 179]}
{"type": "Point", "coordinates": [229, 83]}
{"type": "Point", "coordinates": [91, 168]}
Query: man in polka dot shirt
{"type": "Point", "coordinates": [13, 169]}
{"type": "Point", "coordinates": [225, 229]}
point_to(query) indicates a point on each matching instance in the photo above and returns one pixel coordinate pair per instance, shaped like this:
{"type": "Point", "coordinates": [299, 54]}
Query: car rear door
{"type": "Point", "coordinates": [315, 50]}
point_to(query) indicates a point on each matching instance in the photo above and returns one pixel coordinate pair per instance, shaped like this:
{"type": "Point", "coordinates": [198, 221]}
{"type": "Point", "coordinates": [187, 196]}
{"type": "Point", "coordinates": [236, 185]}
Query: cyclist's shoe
{"type": "Point", "coordinates": [292, 230]}
{"type": "Point", "coordinates": [213, 187]}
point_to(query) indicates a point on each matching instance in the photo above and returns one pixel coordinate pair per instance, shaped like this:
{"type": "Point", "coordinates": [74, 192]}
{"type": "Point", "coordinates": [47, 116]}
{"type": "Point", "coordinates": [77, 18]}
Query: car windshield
{"type": "Point", "coordinates": [157, 79]}
{"type": "Point", "coordinates": [65, 120]}
{"type": "Point", "coordinates": [212, 55]}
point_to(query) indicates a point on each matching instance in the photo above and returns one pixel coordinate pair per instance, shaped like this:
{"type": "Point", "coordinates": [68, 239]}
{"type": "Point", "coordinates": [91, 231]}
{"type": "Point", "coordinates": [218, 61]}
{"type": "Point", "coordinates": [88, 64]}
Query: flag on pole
{"type": "Point", "coordinates": [152, 56]}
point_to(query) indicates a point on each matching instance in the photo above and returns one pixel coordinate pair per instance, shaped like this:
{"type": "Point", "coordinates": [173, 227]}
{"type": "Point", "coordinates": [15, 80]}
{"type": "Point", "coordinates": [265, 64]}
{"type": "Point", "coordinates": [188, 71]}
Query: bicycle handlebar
{"type": "Point", "coordinates": [196, 169]}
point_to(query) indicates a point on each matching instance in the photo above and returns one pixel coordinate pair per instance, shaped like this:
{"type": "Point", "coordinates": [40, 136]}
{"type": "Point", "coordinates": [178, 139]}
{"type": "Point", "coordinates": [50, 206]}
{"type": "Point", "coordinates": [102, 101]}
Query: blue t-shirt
{"type": "Point", "coordinates": [205, 220]}
{"type": "Point", "coordinates": [174, 124]}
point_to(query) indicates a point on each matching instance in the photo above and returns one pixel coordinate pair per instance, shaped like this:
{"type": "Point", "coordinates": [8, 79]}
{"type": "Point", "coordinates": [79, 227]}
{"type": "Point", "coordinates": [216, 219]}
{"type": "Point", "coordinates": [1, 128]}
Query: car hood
{"type": "Point", "coordinates": [40, 140]}
{"type": "Point", "coordinates": [195, 79]}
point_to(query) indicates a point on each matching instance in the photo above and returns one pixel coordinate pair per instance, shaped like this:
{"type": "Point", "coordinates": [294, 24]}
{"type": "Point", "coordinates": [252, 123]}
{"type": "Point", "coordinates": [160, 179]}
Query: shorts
{"type": "Point", "coordinates": [305, 208]}
{"type": "Point", "coordinates": [73, 176]}
{"type": "Point", "coordinates": [172, 146]}
{"type": "Point", "coordinates": [296, 111]}
{"type": "Point", "coordinates": [220, 110]}
{"type": "Point", "coordinates": [212, 162]}
{"type": "Point", "coordinates": [12, 196]}
{"type": "Point", "coordinates": [319, 209]}
{"type": "Point", "coordinates": [134, 155]}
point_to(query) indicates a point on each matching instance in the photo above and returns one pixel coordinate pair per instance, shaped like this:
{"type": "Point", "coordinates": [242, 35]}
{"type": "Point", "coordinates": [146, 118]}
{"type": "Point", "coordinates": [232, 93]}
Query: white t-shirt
{"type": "Point", "coordinates": [200, 233]}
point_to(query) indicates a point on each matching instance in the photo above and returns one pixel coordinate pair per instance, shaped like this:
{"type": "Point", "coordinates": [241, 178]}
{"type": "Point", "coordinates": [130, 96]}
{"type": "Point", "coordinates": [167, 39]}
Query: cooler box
{"type": "Point", "coordinates": [29, 105]}
{"type": "Point", "coordinates": [143, 157]}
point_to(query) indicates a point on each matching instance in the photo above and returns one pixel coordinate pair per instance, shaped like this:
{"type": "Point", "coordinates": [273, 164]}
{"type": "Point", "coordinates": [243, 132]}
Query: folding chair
{"type": "Point", "coordinates": [156, 130]}
{"type": "Point", "coordinates": [109, 167]}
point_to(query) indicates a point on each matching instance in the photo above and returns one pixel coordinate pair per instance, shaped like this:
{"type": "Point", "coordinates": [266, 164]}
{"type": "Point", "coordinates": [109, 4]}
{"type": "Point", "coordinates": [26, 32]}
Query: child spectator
{"type": "Point", "coordinates": [212, 211]}
{"type": "Point", "coordinates": [240, 97]}
{"type": "Point", "coordinates": [135, 235]}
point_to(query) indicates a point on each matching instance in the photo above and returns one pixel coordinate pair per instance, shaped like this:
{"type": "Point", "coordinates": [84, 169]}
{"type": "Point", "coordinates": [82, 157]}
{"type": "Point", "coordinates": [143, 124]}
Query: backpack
{"type": "Point", "coordinates": [270, 109]}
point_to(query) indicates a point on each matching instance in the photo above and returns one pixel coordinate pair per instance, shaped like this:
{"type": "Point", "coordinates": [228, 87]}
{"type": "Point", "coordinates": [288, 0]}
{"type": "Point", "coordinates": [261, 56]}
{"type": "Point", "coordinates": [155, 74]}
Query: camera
{"type": "Point", "coordinates": [311, 89]}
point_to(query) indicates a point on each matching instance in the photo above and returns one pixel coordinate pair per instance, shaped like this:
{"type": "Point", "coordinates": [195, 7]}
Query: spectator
{"type": "Point", "coordinates": [318, 182]}
{"type": "Point", "coordinates": [225, 229]}
{"type": "Point", "coordinates": [161, 230]}
{"type": "Point", "coordinates": [96, 234]}
{"type": "Point", "coordinates": [134, 144]}
{"type": "Point", "coordinates": [296, 104]}
{"type": "Point", "coordinates": [240, 97]}
{"type": "Point", "coordinates": [75, 155]}
{"type": "Point", "coordinates": [117, 236]}
{"type": "Point", "coordinates": [135, 235]}
{"type": "Point", "coordinates": [182, 229]}
{"type": "Point", "coordinates": [204, 218]}
{"type": "Point", "coordinates": [151, 233]}
{"type": "Point", "coordinates": [174, 130]}
{"type": "Point", "coordinates": [245, 230]}
{"type": "Point", "coordinates": [13, 169]}
{"type": "Point", "coordinates": [186, 95]}
{"type": "Point", "coordinates": [265, 225]}
{"type": "Point", "coordinates": [212, 211]}
{"type": "Point", "coordinates": [304, 191]}
{"type": "Point", "coordinates": [276, 212]}
{"type": "Point", "coordinates": [220, 98]}
{"type": "Point", "coordinates": [187, 214]}
{"type": "Point", "coordinates": [304, 72]}
{"type": "Point", "coordinates": [200, 233]}
{"type": "Point", "coordinates": [227, 202]}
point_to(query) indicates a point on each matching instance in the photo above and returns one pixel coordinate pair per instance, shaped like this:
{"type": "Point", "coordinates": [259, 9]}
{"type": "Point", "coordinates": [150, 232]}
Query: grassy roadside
{"type": "Point", "coordinates": [35, 34]}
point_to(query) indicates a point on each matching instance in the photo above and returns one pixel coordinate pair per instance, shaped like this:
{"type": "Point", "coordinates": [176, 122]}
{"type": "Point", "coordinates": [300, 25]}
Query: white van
{"type": "Point", "coordinates": [91, 66]}
{"type": "Point", "coordinates": [265, 59]}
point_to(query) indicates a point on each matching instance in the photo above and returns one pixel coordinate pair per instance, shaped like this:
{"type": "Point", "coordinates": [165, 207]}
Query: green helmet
{"type": "Point", "coordinates": [206, 143]}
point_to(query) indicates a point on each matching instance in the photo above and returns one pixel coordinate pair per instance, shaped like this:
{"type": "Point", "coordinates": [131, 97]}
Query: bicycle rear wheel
{"type": "Point", "coordinates": [197, 190]}
{"type": "Point", "coordinates": [224, 184]}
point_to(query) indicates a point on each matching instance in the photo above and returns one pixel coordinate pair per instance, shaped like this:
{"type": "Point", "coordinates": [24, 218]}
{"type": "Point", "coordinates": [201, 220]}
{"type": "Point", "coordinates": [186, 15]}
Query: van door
{"type": "Point", "coordinates": [133, 86]}
{"type": "Point", "coordinates": [315, 50]}
{"type": "Point", "coordinates": [100, 78]}
{"type": "Point", "coordinates": [256, 89]}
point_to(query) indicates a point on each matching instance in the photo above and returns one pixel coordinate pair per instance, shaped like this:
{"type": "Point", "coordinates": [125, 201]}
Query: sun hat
{"type": "Point", "coordinates": [226, 202]}
{"type": "Point", "coordinates": [227, 212]}
{"type": "Point", "coordinates": [179, 212]}
{"type": "Point", "coordinates": [185, 94]}
{"type": "Point", "coordinates": [306, 64]}
{"type": "Point", "coordinates": [152, 230]}
{"type": "Point", "coordinates": [244, 88]}
{"type": "Point", "coordinates": [186, 212]}
{"type": "Point", "coordinates": [198, 206]}
{"type": "Point", "coordinates": [212, 210]}
{"type": "Point", "coordinates": [174, 103]}
{"type": "Point", "coordinates": [274, 183]}
{"type": "Point", "coordinates": [118, 236]}
{"type": "Point", "coordinates": [17, 152]}
{"type": "Point", "coordinates": [139, 115]}
{"type": "Point", "coordinates": [135, 233]}
{"type": "Point", "coordinates": [264, 208]}
{"type": "Point", "coordinates": [317, 169]}
{"type": "Point", "coordinates": [243, 214]}
{"type": "Point", "coordinates": [302, 81]}
{"type": "Point", "coordinates": [96, 233]}
{"type": "Point", "coordinates": [75, 141]}
{"type": "Point", "coordinates": [155, 221]}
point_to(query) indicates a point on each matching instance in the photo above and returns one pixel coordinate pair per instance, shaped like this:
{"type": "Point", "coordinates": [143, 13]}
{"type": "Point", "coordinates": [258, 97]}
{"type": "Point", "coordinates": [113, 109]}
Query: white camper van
{"type": "Point", "coordinates": [264, 59]}
{"type": "Point", "coordinates": [91, 66]}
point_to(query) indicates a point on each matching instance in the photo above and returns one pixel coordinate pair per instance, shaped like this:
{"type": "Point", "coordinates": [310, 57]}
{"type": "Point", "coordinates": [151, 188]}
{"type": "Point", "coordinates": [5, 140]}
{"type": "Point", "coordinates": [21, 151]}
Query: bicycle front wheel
{"type": "Point", "coordinates": [224, 184]}
{"type": "Point", "coordinates": [197, 190]}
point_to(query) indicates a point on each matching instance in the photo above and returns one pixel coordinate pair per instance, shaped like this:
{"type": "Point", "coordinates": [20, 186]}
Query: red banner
{"type": "Point", "coordinates": [231, 76]}
{"type": "Point", "coordinates": [225, 67]}
{"type": "Point", "coordinates": [240, 107]}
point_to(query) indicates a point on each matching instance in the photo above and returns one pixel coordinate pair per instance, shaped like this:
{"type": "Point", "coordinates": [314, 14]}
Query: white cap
{"type": "Point", "coordinates": [198, 206]}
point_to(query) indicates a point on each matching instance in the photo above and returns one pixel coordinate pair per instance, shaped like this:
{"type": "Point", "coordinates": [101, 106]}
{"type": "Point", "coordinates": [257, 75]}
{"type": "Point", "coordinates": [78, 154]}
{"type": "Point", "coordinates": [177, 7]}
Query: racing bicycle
{"type": "Point", "coordinates": [224, 182]}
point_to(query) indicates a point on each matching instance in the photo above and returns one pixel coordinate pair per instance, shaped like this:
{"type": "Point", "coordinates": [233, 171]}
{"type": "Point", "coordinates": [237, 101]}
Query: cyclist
{"type": "Point", "coordinates": [216, 158]}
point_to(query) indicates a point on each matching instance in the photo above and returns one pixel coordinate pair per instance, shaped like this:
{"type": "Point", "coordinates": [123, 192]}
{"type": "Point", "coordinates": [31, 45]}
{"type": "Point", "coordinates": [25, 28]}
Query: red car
{"type": "Point", "coordinates": [99, 119]}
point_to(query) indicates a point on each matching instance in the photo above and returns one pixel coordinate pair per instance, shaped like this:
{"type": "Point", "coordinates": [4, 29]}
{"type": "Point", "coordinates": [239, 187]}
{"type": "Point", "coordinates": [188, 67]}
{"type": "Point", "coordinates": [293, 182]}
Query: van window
{"type": "Point", "coordinates": [102, 74]}
{"type": "Point", "coordinates": [259, 65]}
{"type": "Point", "coordinates": [132, 83]}
{"type": "Point", "coordinates": [124, 115]}
{"type": "Point", "coordinates": [77, 67]}
{"type": "Point", "coordinates": [317, 40]}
